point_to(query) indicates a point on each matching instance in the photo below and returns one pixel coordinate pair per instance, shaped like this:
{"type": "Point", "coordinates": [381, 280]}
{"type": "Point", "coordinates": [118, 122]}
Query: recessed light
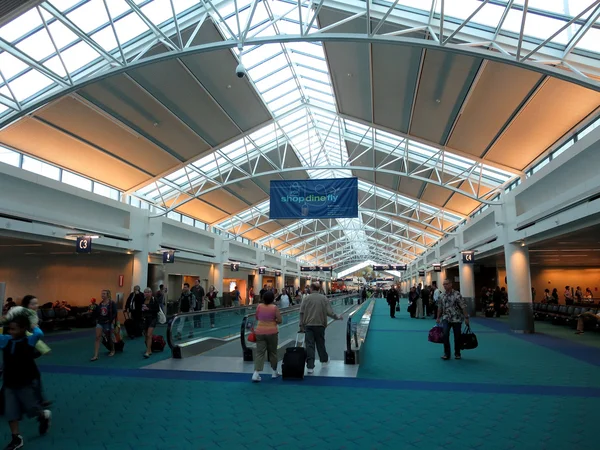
{"type": "Point", "coordinates": [228, 86]}
{"type": "Point", "coordinates": [437, 100]}
{"type": "Point", "coordinates": [349, 75]}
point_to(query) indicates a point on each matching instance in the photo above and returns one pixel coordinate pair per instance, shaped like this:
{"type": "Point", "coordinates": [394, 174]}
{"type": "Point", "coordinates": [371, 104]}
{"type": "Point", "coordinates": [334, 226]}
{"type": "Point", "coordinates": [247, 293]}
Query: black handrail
{"type": "Point", "coordinates": [247, 352]}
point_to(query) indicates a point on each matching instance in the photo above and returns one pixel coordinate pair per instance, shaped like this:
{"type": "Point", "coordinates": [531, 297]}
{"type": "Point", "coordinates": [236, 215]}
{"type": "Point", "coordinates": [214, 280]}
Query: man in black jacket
{"type": "Point", "coordinates": [133, 307]}
{"type": "Point", "coordinates": [392, 299]}
{"type": "Point", "coordinates": [198, 292]}
{"type": "Point", "coordinates": [426, 296]}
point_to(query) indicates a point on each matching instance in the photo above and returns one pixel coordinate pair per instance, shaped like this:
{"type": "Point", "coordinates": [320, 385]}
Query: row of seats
{"type": "Point", "coordinates": [59, 318]}
{"type": "Point", "coordinates": [562, 314]}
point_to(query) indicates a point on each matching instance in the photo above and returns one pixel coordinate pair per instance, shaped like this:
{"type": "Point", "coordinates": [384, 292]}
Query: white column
{"type": "Point", "coordinates": [139, 276]}
{"type": "Point", "coordinates": [518, 280]}
{"type": "Point", "coordinates": [467, 283]}
{"type": "Point", "coordinates": [217, 277]}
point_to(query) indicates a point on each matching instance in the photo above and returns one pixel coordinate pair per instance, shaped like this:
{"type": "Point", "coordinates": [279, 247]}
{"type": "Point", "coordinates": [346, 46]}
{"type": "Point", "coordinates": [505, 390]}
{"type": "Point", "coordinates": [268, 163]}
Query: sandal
{"type": "Point", "coordinates": [95, 358]}
{"type": "Point", "coordinates": [146, 355]}
{"type": "Point", "coordinates": [111, 354]}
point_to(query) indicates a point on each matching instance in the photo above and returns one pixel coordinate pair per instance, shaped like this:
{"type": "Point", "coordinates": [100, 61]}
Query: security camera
{"type": "Point", "coordinates": [240, 70]}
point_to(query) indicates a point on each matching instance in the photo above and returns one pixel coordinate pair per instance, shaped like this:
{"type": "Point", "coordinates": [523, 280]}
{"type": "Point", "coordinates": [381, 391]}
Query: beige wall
{"type": "Point", "coordinates": [559, 277]}
{"type": "Point", "coordinates": [73, 278]}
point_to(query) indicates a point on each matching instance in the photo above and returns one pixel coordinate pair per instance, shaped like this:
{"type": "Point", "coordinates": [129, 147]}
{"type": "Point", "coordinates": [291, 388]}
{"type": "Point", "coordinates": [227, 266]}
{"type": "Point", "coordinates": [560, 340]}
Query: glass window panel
{"type": "Point", "coordinates": [158, 11]}
{"type": "Point", "coordinates": [129, 27]}
{"type": "Point", "coordinates": [268, 67]}
{"type": "Point", "coordinates": [102, 190]}
{"type": "Point", "coordinates": [21, 25]}
{"type": "Point", "coordinates": [105, 38]}
{"type": "Point", "coordinates": [56, 66]}
{"type": "Point", "coordinates": [590, 40]}
{"type": "Point", "coordinates": [63, 5]}
{"type": "Point", "coordinates": [187, 220]}
{"type": "Point", "coordinates": [89, 16]}
{"type": "Point", "coordinates": [78, 56]}
{"type": "Point", "coordinates": [174, 216]}
{"type": "Point", "coordinates": [9, 157]}
{"type": "Point", "coordinates": [41, 168]}
{"type": "Point", "coordinates": [563, 147]}
{"type": "Point", "coordinates": [589, 129]}
{"type": "Point", "coordinates": [76, 180]}
{"type": "Point", "coordinates": [260, 54]}
{"type": "Point", "coordinates": [29, 84]}
{"type": "Point", "coordinates": [282, 89]}
{"type": "Point", "coordinates": [199, 224]}
{"type": "Point", "coordinates": [315, 63]}
{"type": "Point", "coordinates": [11, 65]}
{"type": "Point", "coordinates": [38, 45]}
{"type": "Point", "coordinates": [61, 34]}
{"type": "Point", "coordinates": [320, 96]}
{"type": "Point", "coordinates": [287, 98]}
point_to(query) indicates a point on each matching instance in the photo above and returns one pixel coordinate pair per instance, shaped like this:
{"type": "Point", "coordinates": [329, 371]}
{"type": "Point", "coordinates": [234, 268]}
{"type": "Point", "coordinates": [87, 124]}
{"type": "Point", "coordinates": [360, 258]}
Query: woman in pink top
{"type": "Point", "coordinates": [267, 335]}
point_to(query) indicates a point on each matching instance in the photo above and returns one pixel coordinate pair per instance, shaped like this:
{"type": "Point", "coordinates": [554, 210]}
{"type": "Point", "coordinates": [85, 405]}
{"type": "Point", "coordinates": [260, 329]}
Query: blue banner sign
{"type": "Point", "coordinates": [315, 199]}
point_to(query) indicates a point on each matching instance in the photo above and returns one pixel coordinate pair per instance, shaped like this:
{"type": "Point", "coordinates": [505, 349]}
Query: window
{"type": "Point", "coordinates": [174, 216]}
{"type": "Point", "coordinates": [187, 220]}
{"type": "Point", "coordinates": [199, 224]}
{"type": "Point", "coordinates": [41, 168]}
{"type": "Point", "coordinates": [76, 180]}
{"type": "Point", "coordinates": [9, 157]}
{"type": "Point", "coordinates": [106, 191]}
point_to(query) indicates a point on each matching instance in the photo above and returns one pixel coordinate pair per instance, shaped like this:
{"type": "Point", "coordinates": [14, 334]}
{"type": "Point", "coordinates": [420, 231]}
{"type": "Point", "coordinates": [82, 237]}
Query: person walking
{"type": "Point", "coordinates": [392, 299]}
{"type": "Point", "coordinates": [426, 297]}
{"type": "Point", "coordinates": [198, 292]}
{"type": "Point", "coordinates": [105, 315]}
{"type": "Point", "coordinates": [150, 309]}
{"type": "Point", "coordinates": [313, 320]}
{"type": "Point", "coordinates": [452, 312]}
{"type": "Point", "coordinates": [187, 303]}
{"type": "Point", "coordinates": [211, 303]}
{"type": "Point", "coordinates": [267, 335]}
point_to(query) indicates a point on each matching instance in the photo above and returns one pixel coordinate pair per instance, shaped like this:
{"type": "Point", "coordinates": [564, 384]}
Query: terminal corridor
{"type": "Point", "coordinates": [522, 392]}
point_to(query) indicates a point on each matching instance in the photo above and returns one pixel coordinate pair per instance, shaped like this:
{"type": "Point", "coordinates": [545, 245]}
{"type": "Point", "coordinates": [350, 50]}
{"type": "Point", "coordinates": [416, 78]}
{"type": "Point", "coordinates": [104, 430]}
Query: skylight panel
{"type": "Point", "coordinates": [61, 34]}
{"type": "Point", "coordinates": [56, 66]}
{"type": "Point", "coordinates": [260, 54]}
{"type": "Point", "coordinates": [158, 11]}
{"type": "Point", "coordinates": [79, 55]}
{"type": "Point", "coordinates": [280, 89]}
{"type": "Point", "coordinates": [130, 27]}
{"type": "Point", "coordinates": [90, 15]}
{"type": "Point", "coordinates": [38, 45]}
{"type": "Point", "coordinates": [106, 39]}
{"type": "Point", "coordinates": [28, 84]}
{"type": "Point", "coordinates": [11, 65]}
{"type": "Point", "coordinates": [20, 26]}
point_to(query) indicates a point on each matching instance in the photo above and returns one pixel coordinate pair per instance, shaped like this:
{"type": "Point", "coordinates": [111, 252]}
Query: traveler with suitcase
{"type": "Point", "coordinates": [267, 335]}
{"type": "Point", "coordinates": [313, 320]}
{"type": "Point", "coordinates": [133, 313]}
{"type": "Point", "coordinates": [105, 315]}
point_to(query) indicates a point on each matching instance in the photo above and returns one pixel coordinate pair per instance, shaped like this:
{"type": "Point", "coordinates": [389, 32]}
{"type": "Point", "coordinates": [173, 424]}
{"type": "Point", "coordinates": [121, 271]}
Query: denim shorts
{"type": "Point", "coordinates": [20, 401]}
{"type": "Point", "coordinates": [107, 327]}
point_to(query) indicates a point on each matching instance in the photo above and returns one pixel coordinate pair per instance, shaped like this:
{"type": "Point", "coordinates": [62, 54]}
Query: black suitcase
{"type": "Point", "coordinates": [132, 328]}
{"type": "Point", "coordinates": [294, 361]}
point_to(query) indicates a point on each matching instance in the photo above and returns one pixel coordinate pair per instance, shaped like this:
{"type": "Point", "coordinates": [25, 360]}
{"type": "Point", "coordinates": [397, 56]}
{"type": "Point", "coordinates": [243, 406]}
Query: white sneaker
{"type": "Point", "coordinates": [326, 362]}
{"type": "Point", "coordinates": [256, 377]}
{"type": "Point", "coordinates": [310, 371]}
{"type": "Point", "coordinates": [276, 374]}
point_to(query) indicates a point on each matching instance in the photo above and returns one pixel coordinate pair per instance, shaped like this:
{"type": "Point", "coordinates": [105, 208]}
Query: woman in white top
{"type": "Point", "coordinates": [284, 300]}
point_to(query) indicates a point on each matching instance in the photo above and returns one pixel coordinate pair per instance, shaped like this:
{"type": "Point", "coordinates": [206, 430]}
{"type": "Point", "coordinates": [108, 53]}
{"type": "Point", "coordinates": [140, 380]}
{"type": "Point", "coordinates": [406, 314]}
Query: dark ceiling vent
{"type": "Point", "coordinates": [9, 9]}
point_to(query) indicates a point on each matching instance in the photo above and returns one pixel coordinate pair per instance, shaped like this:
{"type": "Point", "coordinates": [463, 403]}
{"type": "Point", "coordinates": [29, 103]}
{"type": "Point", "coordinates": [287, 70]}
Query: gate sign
{"type": "Point", "coordinates": [326, 268]}
{"type": "Point", "coordinates": [277, 273]}
{"type": "Point", "coordinates": [169, 257]}
{"type": "Point", "coordinates": [468, 257]}
{"type": "Point", "coordinates": [262, 270]}
{"type": "Point", "coordinates": [84, 244]}
{"type": "Point", "coordinates": [314, 199]}
{"type": "Point", "coordinates": [305, 269]}
{"type": "Point", "coordinates": [235, 267]}
{"type": "Point", "coordinates": [422, 273]}
{"type": "Point", "coordinates": [437, 268]}
{"type": "Point", "coordinates": [379, 268]}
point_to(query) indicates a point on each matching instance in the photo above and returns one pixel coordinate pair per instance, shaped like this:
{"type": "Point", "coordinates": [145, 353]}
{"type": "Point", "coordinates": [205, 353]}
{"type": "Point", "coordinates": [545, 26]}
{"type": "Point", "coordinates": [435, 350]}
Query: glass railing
{"type": "Point", "coordinates": [289, 327]}
{"type": "Point", "coordinates": [186, 329]}
{"type": "Point", "coordinates": [357, 326]}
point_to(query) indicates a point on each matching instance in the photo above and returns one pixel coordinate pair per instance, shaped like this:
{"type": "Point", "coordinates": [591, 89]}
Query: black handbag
{"type": "Point", "coordinates": [468, 339]}
{"type": "Point", "coordinates": [398, 308]}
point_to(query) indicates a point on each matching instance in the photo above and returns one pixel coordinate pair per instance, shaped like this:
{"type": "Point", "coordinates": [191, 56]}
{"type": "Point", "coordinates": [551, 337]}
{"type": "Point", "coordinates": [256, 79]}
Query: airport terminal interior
{"type": "Point", "coordinates": [171, 169]}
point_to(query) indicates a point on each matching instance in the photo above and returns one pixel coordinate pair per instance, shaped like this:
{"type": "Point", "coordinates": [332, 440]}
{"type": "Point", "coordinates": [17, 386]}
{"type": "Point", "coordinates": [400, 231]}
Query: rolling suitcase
{"type": "Point", "coordinates": [132, 328]}
{"type": "Point", "coordinates": [294, 360]}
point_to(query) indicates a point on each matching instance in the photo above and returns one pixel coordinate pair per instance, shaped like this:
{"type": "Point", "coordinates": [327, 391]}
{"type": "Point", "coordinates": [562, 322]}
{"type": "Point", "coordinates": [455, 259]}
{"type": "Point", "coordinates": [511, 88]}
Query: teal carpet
{"type": "Point", "coordinates": [405, 398]}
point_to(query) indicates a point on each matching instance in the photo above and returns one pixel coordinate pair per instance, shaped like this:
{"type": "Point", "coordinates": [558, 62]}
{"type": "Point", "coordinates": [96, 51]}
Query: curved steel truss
{"type": "Point", "coordinates": [48, 49]}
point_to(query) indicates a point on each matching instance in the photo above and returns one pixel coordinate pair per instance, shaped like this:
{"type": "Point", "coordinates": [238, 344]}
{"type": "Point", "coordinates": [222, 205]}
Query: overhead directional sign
{"type": "Point", "coordinates": [468, 257]}
{"type": "Point", "coordinates": [437, 268]}
{"type": "Point", "coordinates": [277, 273]}
{"type": "Point", "coordinates": [326, 268]}
{"type": "Point", "coordinates": [84, 244]}
{"type": "Point", "coordinates": [422, 272]}
{"type": "Point", "coordinates": [168, 257]}
{"type": "Point", "coordinates": [235, 267]}
{"type": "Point", "coordinates": [262, 270]}
{"type": "Point", "coordinates": [379, 268]}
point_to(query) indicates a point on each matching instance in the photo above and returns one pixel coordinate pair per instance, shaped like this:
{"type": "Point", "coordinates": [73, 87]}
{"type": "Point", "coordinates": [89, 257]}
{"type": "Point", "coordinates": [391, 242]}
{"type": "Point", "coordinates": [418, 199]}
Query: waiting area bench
{"type": "Point", "coordinates": [565, 314]}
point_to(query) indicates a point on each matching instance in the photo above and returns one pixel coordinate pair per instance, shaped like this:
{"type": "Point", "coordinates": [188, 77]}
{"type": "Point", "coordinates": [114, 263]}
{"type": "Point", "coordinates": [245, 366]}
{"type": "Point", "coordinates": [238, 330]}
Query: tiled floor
{"type": "Point", "coordinates": [513, 392]}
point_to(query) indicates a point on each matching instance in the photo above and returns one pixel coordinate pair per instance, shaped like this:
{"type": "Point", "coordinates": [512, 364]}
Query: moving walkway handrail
{"type": "Point", "coordinates": [202, 313]}
{"type": "Point", "coordinates": [352, 330]}
{"type": "Point", "coordinates": [286, 311]}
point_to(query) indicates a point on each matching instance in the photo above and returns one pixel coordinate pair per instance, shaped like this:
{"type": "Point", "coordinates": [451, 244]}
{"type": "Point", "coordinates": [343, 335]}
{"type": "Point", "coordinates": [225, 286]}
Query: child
{"type": "Point", "coordinates": [20, 377]}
